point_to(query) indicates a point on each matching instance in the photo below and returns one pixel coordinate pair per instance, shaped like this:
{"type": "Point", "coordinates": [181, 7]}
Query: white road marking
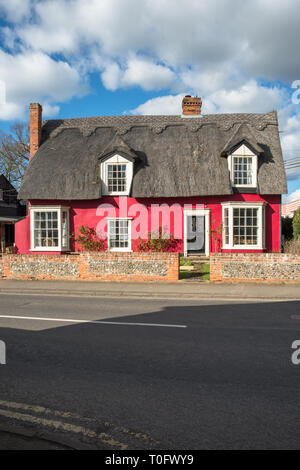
{"type": "Point", "coordinates": [26, 409]}
{"type": "Point", "coordinates": [63, 426]}
{"type": "Point", "coordinates": [43, 409]}
{"type": "Point", "coordinates": [69, 320]}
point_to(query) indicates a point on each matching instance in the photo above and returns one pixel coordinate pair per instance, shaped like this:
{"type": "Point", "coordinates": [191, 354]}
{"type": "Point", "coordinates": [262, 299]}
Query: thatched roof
{"type": "Point", "coordinates": [245, 135]}
{"type": "Point", "coordinates": [176, 156]}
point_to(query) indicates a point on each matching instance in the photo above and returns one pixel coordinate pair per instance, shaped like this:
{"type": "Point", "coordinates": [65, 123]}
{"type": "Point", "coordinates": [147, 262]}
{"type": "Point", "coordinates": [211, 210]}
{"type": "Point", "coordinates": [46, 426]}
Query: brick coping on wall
{"type": "Point", "coordinates": [102, 266]}
{"type": "Point", "coordinates": [255, 267]}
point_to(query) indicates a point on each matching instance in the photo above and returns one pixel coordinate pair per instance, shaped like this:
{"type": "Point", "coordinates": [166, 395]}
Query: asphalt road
{"type": "Point", "coordinates": [177, 375]}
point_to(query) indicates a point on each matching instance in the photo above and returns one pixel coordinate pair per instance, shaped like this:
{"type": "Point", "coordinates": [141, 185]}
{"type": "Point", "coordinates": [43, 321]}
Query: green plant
{"type": "Point", "coordinates": [89, 240]}
{"type": "Point", "coordinates": [215, 235]}
{"type": "Point", "coordinates": [185, 262]}
{"type": "Point", "coordinates": [157, 241]}
{"type": "Point", "coordinates": [205, 271]}
{"type": "Point", "coordinates": [296, 225]}
{"type": "Point", "coordinates": [287, 228]}
{"type": "Point", "coordinates": [292, 246]}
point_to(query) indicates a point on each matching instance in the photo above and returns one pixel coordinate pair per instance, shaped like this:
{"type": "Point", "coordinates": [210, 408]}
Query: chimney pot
{"type": "Point", "coordinates": [191, 105]}
{"type": "Point", "coordinates": [35, 127]}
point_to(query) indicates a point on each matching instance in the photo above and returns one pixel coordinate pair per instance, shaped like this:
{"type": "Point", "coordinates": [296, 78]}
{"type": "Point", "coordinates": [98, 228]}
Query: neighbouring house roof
{"type": "Point", "coordinates": [10, 209]}
{"type": "Point", "coordinates": [5, 184]}
{"type": "Point", "coordinates": [11, 219]}
{"type": "Point", "coordinates": [290, 208]}
{"type": "Point", "coordinates": [177, 156]}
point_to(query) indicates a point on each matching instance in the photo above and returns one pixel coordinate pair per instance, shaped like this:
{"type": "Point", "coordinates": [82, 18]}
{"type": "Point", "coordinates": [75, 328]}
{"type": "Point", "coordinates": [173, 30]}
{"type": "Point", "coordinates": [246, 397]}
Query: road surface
{"type": "Point", "coordinates": [150, 374]}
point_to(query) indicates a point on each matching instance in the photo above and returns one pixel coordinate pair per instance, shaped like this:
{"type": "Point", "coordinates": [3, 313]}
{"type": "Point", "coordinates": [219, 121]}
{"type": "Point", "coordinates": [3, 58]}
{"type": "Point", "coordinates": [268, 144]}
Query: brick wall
{"type": "Point", "coordinates": [257, 267]}
{"type": "Point", "coordinates": [35, 127]}
{"type": "Point", "coordinates": [104, 266]}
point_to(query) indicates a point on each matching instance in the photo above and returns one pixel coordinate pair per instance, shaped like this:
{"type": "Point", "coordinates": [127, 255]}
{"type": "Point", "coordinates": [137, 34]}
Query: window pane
{"type": "Point", "coordinates": [45, 229]}
{"type": "Point", "coordinates": [245, 227]}
{"type": "Point", "coordinates": [242, 170]}
{"type": "Point", "coordinates": [226, 226]}
{"type": "Point", "coordinates": [116, 177]}
{"type": "Point", "coordinates": [118, 233]}
{"type": "Point", "coordinates": [64, 229]}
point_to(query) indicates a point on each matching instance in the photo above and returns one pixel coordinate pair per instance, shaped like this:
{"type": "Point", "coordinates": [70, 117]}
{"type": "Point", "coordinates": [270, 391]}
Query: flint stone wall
{"type": "Point", "coordinates": [265, 267]}
{"type": "Point", "coordinates": [109, 266]}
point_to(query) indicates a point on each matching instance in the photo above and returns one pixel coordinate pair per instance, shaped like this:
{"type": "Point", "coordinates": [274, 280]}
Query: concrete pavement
{"type": "Point", "coordinates": [182, 290]}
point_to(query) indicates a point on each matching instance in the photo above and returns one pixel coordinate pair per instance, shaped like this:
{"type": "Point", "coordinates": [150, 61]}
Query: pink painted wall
{"type": "Point", "coordinates": [85, 213]}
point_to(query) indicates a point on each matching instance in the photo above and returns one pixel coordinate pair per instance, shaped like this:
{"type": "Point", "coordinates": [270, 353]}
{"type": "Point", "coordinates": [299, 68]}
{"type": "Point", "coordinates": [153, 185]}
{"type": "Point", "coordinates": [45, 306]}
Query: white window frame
{"type": "Point", "coordinates": [59, 210]}
{"type": "Point", "coordinates": [243, 151]}
{"type": "Point", "coordinates": [260, 224]}
{"type": "Point", "coordinates": [128, 248]}
{"type": "Point", "coordinates": [116, 159]}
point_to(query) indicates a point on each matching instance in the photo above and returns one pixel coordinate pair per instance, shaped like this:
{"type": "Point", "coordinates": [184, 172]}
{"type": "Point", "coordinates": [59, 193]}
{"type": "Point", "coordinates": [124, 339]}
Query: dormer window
{"type": "Point", "coordinates": [242, 164]}
{"type": "Point", "coordinates": [116, 175]}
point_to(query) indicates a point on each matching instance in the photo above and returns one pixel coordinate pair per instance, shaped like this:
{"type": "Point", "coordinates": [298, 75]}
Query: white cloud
{"type": "Point", "coordinates": [10, 111]}
{"type": "Point", "coordinates": [148, 75]}
{"type": "Point", "coordinates": [212, 35]}
{"type": "Point", "coordinates": [250, 97]}
{"type": "Point", "coordinates": [111, 76]}
{"type": "Point", "coordinates": [290, 138]}
{"type": "Point", "coordinates": [203, 82]}
{"type": "Point", "coordinates": [34, 76]}
{"type": "Point", "coordinates": [138, 71]}
{"type": "Point", "coordinates": [50, 110]}
{"type": "Point", "coordinates": [15, 10]}
{"type": "Point", "coordinates": [202, 46]}
{"type": "Point", "coordinates": [170, 104]}
{"type": "Point", "coordinates": [293, 196]}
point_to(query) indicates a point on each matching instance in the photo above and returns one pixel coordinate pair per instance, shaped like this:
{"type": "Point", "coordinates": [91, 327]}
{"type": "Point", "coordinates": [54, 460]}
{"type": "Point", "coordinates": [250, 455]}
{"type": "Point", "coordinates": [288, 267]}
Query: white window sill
{"type": "Point", "coordinates": [250, 186]}
{"type": "Point", "coordinates": [243, 247]}
{"type": "Point", "coordinates": [115, 194]}
{"type": "Point", "coordinates": [127, 250]}
{"type": "Point", "coordinates": [47, 249]}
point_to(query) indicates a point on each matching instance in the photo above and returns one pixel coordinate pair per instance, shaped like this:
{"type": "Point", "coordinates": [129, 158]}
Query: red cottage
{"type": "Point", "coordinates": [213, 181]}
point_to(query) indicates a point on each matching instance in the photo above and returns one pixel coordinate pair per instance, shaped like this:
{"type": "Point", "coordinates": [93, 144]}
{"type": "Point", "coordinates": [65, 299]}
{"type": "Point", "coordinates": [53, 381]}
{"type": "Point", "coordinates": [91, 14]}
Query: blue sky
{"type": "Point", "coordinates": [104, 57]}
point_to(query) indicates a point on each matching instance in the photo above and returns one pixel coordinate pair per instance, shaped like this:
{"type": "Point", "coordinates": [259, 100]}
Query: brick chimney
{"type": "Point", "coordinates": [35, 127]}
{"type": "Point", "coordinates": [191, 106]}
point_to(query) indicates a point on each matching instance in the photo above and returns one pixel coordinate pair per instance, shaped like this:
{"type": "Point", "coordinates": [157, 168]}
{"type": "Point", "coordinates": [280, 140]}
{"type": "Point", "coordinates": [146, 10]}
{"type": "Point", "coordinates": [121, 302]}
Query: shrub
{"type": "Point", "coordinates": [296, 225]}
{"type": "Point", "coordinates": [287, 228]}
{"type": "Point", "coordinates": [157, 241]}
{"type": "Point", "coordinates": [292, 246]}
{"type": "Point", "coordinates": [216, 236]}
{"type": "Point", "coordinates": [185, 262]}
{"type": "Point", "coordinates": [89, 240]}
